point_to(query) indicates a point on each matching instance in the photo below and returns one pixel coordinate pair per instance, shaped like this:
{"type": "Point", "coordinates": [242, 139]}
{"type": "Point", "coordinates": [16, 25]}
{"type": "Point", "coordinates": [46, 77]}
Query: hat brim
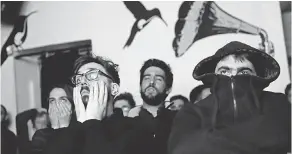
{"type": "Point", "coordinates": [269, 65]}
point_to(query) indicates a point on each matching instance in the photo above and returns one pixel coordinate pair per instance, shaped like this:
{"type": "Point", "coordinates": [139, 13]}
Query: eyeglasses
{"type": "Point", "coordinates": [90, 75]}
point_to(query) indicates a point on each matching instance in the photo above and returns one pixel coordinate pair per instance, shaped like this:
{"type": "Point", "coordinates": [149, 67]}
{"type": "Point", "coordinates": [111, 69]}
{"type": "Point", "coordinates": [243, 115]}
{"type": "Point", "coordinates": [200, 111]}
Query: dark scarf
{"type": "Point", "coordinates": [236, 99]}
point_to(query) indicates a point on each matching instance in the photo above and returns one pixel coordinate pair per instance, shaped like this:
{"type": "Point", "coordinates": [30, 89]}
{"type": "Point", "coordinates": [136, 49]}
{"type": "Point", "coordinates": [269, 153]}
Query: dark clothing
{"type": "Point", "coordinates": [238, 117]}
{"type": "Point", "coordinates": [55, 141]}
{"type": "Point", "coordinates": [152, 132]}
{"type": "Point", "coordinates": [8, 141]}
{"type": "Point", "coordinates": [22, 130]}
{"type": "Point", "coordinates": [108, 136]}
{"type": "Point", "coordinates": [114, 135]}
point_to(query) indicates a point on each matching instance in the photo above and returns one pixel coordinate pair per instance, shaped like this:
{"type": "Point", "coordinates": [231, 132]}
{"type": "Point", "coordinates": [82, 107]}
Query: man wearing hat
{"type": "Point", "coordinates": [239, 117]}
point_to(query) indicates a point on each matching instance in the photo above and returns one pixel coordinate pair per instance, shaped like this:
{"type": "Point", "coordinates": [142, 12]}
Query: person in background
{"type": "Point", "coordinates": [152, 120]}
{"type": "Point", "coordinates": [198, 93]}
{"type": "Point", "coordinates": [61, 112]}
{"type": "Point", "coordinates": [239, 116]}
{"type": "Point", "coordinates": [288, 92]}
{"type": "Point", "coordinates": [125, 102]}
{"type": "Point", "coordinates": [8, 138]}
{"type": "Point", "coordinates": [177, 102]}
{"type": "Point", "coordinates": [39, 119]}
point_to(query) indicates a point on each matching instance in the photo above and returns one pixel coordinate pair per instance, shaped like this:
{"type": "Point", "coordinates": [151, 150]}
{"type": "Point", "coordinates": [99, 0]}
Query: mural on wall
{"type": "Point", "coordinates": [143, 18]}
{"type": "Point", "coordinates": [16, 37]}
{"type": "Point", "coordinates": [200, 19]}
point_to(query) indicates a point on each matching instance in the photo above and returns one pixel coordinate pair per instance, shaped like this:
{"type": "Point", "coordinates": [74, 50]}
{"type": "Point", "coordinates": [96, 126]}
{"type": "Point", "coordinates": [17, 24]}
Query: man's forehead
{"type": "Point", "coordinates": [154, 70]}
{"type": "Point", "coordinates": [178, 100]}
{"type": "Point", "coordinates": [234, 61]}
{"type": "Point", "coordinates": [90, 66]}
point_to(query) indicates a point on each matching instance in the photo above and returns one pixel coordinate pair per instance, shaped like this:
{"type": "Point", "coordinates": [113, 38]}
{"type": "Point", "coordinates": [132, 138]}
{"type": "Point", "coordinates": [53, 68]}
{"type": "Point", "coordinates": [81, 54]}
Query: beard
{"type": "Point", "coordinates": [158, 99]}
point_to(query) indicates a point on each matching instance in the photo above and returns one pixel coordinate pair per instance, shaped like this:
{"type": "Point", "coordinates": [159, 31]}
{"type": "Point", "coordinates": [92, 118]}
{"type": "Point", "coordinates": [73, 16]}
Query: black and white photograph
{"type": "Point", "coordinates": [145, 77]}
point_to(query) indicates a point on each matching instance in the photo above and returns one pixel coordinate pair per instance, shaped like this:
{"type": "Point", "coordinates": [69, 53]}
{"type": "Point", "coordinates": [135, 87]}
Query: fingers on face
{"type": "Point", "coordinates": [101, 92]}
{"type": "Point", "coordinates": [64, 108]}
{"type": "Point", "coordinates": [76, 95]}
{"type": "Point", "coordinates": [105, 94]}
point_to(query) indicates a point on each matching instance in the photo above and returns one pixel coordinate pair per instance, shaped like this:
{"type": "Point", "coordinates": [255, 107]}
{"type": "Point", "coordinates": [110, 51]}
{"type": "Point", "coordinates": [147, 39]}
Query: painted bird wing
{"type": "Point", "coordinates": [18, 27]}
{"type": "Point", "coordinates": [137, 8]}
{"type": "Point", "coordinates": [132, 35]}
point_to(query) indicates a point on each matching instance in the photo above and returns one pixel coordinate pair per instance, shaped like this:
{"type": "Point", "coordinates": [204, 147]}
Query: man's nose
{"type": "Point", "coordinates": [233, 73]}
{"type": "Point", "coordinates": [83, 81]}
{"type": "Point", "coordinates": [152, 82]}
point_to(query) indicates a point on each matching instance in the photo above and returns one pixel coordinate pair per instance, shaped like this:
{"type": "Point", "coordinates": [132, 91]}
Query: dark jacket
{"type": "Point", "coordinates": [238, 117]}
{"type": "Point", "coordinates": [114, 135]}
{"type": "Point", "coordinates": [108, 136]}
{"type": "Point", "coordinates": [8, 141]}
{"type": "Point", "coordinates": [22, 130]}
{"type": "Point", "coordinates": [151, 132]}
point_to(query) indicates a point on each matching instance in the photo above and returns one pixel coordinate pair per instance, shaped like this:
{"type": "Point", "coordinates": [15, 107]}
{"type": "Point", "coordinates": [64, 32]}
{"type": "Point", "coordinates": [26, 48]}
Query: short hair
{"type": "Point", "coordinates": [161, 64]}
{"type": "Point", "coordinates": [126, 96]}
{"type": "Point", "coordinates": [109, 66]}
{"type": "Point", "coordinates": [183, 98]}
{"type": "Point", "coordinates": [252, 58]}
{"type": "Point", "coordinates": [196, 92]}
{"type": "Point", "coordinates": [288, 87]}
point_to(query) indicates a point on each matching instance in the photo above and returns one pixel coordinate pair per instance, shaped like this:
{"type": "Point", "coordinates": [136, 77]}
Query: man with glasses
{"type": "Point", "coordinates": [96, 83]}
{"type": "Point", "coordinates": [98, 130]}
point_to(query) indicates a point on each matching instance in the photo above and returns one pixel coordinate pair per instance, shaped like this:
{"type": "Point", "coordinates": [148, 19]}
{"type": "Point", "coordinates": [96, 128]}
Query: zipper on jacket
{"type": "Point", "coordinates": [234, 100]}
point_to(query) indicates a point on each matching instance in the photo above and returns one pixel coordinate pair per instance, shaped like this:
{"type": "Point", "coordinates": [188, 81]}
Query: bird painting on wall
{"type": "Point", "coordinates": [143, 18]}
{"type": "Point", "coordinates": [16, 37]}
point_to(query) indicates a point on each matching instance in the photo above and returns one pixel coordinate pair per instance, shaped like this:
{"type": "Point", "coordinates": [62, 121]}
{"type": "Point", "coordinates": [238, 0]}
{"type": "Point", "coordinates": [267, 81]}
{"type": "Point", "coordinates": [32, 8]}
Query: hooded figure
{"type": "Point", "coordinates": [239, 117]}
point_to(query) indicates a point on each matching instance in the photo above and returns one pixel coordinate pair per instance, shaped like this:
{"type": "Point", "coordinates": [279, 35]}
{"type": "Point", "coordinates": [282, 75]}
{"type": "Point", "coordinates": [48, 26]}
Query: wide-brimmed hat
{"type": "Point", "coordinates": [266, 66]}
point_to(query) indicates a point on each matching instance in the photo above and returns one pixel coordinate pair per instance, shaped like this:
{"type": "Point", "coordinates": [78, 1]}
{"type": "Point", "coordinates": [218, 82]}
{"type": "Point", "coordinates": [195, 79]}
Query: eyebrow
{"type": "Point", "coordinates": [223, 67]}
{"type": "Point", "coordinates": [155, 75]}
{"type": "Point", "coordinates": [90, 69]}
{"type": "Point", "coordinates": [160, 76]}
{"type": "Point", "coordinates": [244, 68]}
{"type": "Point", "coordinates": [64, 97]}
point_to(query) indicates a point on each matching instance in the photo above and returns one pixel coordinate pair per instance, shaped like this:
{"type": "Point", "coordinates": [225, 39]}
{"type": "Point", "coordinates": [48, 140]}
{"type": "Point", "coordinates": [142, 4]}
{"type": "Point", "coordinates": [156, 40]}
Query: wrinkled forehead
{"type": "Point", "coordinates": [90, 66]}
{"type": "Point", "coordinates": [153, 70]}
{"type": "Point", "coordinates": [235, 61]}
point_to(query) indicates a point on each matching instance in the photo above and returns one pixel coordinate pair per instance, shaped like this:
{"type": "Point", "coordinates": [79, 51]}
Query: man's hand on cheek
{"type": "Point", "coordinates": [79, 106]}
{"type": "Point", "coordinates": [98, 97]}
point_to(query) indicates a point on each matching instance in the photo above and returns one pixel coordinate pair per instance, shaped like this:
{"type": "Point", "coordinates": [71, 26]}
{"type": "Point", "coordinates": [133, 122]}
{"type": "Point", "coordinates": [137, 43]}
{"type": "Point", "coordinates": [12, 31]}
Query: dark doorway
{"type": "Point", "coordinates": [56, 64]}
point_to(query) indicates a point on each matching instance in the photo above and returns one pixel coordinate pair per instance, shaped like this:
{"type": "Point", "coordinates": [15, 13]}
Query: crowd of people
{"type": "Point", "coordinates": [229, 113]}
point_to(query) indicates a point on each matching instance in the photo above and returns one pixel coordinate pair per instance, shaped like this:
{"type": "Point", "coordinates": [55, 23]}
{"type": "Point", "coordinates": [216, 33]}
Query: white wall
{"type": "Point", "coordinates": [108, 24]}
{"type": "Point", "coordinates": [8, 91]}
{"type": "Point", "coordinates": [27, 81]}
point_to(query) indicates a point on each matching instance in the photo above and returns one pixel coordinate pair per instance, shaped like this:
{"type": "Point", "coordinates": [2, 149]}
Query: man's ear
{"type": "Point", "coordinates": [168, 91]}
{"type": "Point", "coordinates": [114, 89]}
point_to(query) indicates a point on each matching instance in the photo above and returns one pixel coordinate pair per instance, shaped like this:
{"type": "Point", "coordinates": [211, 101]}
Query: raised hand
{"type": "Point", "coordinates": [98, 97]}
{"type": "Point", "coordinates": [64, 114]}
{"type": "Point", "coordinates": [53, 116]}
{"type": "Point", "coordinates": [79, 106]}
